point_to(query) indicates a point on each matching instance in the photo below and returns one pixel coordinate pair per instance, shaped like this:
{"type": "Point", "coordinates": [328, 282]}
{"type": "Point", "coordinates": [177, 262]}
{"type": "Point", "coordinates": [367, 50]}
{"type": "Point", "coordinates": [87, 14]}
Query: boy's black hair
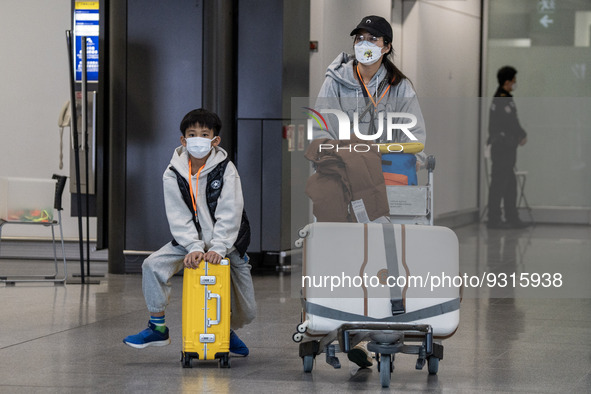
{"type": "Point", "coordinates": [506, 73]}
{"type": "Point", "coordinates": [203, 118]}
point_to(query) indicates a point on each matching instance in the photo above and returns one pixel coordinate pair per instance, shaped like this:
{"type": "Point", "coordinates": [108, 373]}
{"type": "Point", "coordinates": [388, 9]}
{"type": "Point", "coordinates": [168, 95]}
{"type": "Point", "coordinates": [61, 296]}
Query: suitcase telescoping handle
{"type": "Point", "coordinates": [218, 302]}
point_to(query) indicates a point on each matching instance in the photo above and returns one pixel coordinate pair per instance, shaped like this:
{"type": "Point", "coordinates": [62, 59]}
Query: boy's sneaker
{"type": "Point", "coordinates": [149, 337]}
{"type": "Point", "coordinates": [360, 356]}
{"type": "Point", "coordinates": [236, 345]}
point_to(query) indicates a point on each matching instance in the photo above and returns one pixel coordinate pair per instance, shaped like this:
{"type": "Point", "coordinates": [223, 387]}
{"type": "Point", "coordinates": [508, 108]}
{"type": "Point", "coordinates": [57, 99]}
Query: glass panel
{"type": "Point", "coordinates": [548, 42]}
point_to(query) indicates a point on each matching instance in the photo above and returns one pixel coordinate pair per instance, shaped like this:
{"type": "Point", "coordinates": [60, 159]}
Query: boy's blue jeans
{"type": "Point", "coordinates": [161, 265]}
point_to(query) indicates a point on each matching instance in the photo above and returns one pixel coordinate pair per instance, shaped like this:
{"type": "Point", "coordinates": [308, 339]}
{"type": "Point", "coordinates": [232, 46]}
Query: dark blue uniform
{"type": "Point", "coordinates": [505, 134]}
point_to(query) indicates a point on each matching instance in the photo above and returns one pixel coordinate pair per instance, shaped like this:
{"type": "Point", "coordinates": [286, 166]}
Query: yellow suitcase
{"type": "Point", "coordinates": [206, 313]}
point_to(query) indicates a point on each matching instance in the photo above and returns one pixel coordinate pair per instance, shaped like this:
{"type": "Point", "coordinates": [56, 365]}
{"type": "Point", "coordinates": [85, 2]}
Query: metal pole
{"type": "Point", "coordinates": [85, 146]}
{"type": "Point", "coordinates": [74, 126]}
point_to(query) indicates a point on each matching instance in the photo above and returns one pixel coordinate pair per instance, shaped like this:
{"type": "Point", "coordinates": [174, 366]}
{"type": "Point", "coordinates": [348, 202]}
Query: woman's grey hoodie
{"type": "Point", "coordinates": [220, 237]}
{"type": "Point", "coordinates": [341, 90]}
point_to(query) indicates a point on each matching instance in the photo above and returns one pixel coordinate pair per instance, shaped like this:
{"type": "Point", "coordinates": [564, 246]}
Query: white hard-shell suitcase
{"type": "Point", "coordinates": [380, 272]}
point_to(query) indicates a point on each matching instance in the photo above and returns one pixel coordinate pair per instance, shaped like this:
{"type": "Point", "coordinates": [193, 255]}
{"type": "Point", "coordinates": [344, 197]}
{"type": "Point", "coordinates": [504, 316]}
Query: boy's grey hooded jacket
{"type": "Point", "coordinates": [220, 237]}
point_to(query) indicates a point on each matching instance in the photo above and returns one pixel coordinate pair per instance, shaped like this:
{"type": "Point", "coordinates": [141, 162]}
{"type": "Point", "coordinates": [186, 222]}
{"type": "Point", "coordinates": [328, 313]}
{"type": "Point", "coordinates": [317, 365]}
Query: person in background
{"type": "Point", "coordinates": [505, 135]}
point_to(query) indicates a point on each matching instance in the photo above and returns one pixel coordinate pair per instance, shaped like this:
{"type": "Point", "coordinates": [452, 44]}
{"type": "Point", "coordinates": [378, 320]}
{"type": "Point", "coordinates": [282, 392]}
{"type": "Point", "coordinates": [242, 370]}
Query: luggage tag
{"type": "Point", "coordinates": [360, 211]}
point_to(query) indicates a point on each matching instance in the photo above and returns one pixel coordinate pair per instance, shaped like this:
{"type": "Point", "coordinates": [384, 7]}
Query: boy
{"type": "Point", "coordinates": [204, 207]}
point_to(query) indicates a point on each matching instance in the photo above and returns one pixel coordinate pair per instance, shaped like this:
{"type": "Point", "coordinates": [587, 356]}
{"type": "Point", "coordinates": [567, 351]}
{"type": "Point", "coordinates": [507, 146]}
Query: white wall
{"type": "Point", "coordinates": [34, 81]}
{"type": "Point", "coordinates": [441, 55]}
{"type": "Point", "coordinates": [436, 44]}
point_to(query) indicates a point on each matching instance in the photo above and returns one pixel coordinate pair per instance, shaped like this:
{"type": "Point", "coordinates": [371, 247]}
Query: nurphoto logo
{"type": "Point", "coordinates": [345, 123]}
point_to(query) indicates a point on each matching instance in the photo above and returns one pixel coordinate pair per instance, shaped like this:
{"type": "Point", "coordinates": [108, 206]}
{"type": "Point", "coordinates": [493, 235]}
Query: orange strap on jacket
{"type": "Point", "coordinates": [193, 198]}
{"type": "Point", "coordinates": [367, 90]}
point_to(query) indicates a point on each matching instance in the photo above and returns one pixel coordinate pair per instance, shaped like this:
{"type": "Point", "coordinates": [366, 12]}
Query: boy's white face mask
{"type": "Point", "coordinates": [367, 52]}
{"type": "Point", "coordinates": [198, 147]}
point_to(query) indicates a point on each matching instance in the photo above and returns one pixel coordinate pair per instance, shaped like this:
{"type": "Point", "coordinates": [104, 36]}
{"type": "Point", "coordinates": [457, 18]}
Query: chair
{"type": "Point", "coordinates": [11, 279]}
{"type": "Point", "coordinates": [487, 168]}
{"type": "Point", "coordinates": [521, 177]}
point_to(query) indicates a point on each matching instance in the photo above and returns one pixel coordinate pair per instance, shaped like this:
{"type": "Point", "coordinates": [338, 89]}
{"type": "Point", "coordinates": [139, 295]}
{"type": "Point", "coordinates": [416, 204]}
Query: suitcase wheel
{"type": "Point", "coordinates": [303, 233]}
{"type": "Point", "coordinates": [297, 337]}
{"type": "Point", "coordinates": [186, 360]}
{"type": "Point", "coordinates": [299, 243]}
{"type": "Point", "coordinates": [225, 361]}
{"type": "Point", "coordinates": [302, 327]}
{"type": "Point", "coordinates": [308, 362]}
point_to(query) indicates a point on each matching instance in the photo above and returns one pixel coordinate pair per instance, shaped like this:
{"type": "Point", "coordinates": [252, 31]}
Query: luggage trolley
{"type": "Point", "coordinates": [330, 329]}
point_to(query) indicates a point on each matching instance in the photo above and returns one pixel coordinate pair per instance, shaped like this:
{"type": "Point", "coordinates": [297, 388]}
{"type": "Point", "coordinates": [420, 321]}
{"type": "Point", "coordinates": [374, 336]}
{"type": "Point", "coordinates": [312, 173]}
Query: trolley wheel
{"type": "Point", "coordinates": [303, 232]}
{"type": "Point", "coordinates": [431, 163]}
{"type": "Point", "coordinates": [308, 362]}
{"type": "Point", "coordinates": [299, 243]}
{"type": "Point", "coordinates": [385, 365]}
{"type": "Point", "coordinates": [433, 365]}
{"type": "Point", "coordinates": [225, 361]}
{"type": "Point", "coordinates": [297, 337]}
{"type": "Point", "coordinates": [186, 360]}
{"type": "Point", "coordinates": [420, 363]}
{"type": "Point", "coordinates": [302, 328]}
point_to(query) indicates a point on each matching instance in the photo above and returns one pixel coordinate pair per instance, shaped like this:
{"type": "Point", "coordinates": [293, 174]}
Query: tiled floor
{"type": "Point", "coordinates": [67, 339]}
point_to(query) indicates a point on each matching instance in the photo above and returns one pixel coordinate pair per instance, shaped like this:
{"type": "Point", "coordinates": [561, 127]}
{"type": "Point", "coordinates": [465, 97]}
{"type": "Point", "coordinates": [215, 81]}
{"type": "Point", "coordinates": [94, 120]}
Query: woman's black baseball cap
{"type": "Point", "coordinates": [375, 25]}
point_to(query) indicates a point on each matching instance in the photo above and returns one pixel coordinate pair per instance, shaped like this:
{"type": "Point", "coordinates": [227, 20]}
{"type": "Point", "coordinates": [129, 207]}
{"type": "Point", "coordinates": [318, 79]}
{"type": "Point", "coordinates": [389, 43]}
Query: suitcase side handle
{"type": "Point", "coordinates": [218, 301]}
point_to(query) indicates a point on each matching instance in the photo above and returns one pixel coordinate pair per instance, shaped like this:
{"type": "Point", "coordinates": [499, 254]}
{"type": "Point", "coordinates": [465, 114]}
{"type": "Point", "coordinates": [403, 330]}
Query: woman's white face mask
{"type": "Point", "coordinates": [198, 147]}
{"type": "Point", "coordinates": [367, 53]}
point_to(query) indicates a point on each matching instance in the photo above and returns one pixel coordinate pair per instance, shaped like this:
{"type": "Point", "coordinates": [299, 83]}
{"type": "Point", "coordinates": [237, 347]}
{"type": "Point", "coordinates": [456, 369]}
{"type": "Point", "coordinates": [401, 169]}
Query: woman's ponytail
{"type": "Point", "coordinates": [393, 73]}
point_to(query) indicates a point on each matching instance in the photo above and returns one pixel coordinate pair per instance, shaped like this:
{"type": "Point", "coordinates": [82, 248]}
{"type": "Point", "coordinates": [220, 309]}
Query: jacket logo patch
{"type": "Point", "coordinates": [215, 185]}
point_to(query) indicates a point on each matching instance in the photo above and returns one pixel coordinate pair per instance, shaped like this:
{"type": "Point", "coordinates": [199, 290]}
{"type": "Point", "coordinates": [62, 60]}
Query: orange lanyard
{"type": "Point", "coordinates": [196, 186]}
{"type": "Point", "coordinates": [367, 90]}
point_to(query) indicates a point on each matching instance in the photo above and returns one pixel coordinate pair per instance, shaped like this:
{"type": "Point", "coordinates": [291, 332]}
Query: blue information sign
{"type": "Point", "coordinates": [86, 24]}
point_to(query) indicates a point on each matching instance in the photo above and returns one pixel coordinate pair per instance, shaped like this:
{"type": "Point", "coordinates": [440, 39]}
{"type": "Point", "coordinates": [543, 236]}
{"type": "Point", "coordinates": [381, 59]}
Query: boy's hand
{"type": "Point", "coordinates": [212, 257]}
{"type": "Point", "coordinates": [193, 259]}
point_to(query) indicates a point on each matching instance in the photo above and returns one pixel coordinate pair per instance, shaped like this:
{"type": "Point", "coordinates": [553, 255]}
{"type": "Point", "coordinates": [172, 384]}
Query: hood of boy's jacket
{"type": "Point", "coordinates": [180, 159]}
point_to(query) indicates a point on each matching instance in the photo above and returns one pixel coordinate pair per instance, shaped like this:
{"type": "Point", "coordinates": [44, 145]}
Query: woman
{"type": "Point", "coordinates": [366, 87]}
{"type": "Point", "coordinates": [368, 84]}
